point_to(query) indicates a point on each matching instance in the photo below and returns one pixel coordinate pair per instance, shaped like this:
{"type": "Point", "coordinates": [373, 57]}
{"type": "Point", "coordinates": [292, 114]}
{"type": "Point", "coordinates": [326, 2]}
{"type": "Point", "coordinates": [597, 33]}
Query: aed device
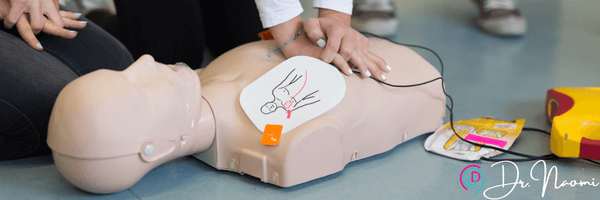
{"type": "Point", "coordinates": [575, 117]}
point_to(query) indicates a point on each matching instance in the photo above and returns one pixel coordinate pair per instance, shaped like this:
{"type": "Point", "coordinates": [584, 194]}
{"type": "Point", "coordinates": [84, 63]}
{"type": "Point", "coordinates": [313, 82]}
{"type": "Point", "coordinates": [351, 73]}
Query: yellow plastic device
{"type": "Point", "coordinates": [575, 117]}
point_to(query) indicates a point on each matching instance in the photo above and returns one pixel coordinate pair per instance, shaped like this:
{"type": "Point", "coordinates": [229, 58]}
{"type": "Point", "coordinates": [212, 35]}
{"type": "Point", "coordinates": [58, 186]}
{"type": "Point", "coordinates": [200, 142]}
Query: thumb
{"type": "Point", "coordinates": [312, 26]}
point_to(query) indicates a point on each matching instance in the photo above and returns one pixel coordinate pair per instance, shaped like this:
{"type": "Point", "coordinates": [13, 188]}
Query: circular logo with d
{"type": "Point", "coordinates": [470, 177]}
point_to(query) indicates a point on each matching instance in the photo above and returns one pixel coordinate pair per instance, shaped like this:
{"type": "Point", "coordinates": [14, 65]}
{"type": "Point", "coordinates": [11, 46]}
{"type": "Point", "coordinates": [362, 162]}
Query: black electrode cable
{"type": "Point", "coordinates": [451, 107]}
{"type": "Point", "coordinates": [410, 45]}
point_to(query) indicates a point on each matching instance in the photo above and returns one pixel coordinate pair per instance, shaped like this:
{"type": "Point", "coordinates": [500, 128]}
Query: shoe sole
{"type": "Point", "coordinates": [505, 27]}
{"type": "Point", "coordinates": [378, 27]}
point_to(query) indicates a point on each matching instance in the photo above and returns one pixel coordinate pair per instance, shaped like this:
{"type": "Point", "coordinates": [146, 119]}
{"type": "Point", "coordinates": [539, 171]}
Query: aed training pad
{"type": "Point", "coordinates": [292, 93]}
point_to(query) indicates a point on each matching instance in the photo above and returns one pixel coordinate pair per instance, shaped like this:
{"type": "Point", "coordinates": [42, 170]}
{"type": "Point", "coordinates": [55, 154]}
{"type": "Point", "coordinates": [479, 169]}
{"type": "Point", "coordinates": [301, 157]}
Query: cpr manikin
{"type": "Point", "coordinates": [109, 128]}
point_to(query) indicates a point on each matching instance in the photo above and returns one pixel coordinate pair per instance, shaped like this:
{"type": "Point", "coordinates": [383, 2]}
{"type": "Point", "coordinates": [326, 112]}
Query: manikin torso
{"type": "Point", "coordinates": [370, 119]}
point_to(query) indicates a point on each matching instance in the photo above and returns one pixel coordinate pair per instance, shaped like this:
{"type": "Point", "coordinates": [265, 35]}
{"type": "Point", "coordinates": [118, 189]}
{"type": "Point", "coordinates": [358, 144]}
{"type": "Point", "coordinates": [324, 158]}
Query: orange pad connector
{"type": "Point", "coordinates": [272, 134]}
{"type": "Point", "coordinates": [266, 35]}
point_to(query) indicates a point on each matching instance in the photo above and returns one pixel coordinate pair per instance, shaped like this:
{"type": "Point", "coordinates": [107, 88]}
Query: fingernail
{"type": "Point", "coordinates": [39, 45]}
{"type": "Point", "coordinates": [383, 77]}
{"type": "Point", "coordinates": [388, 67]}
{"type": "Point", "coordinates": [72, 31]}
{"type": "Point", "coordinates": [83, 22]}
{"type": "Point", "coordinates": [321, 43]}
{"type": "Point", "coordinates": [368, 73]}
{"type": "Point", "coordinates": [350, 71]}
{"type": "Point", "coordinates": [78, 14]}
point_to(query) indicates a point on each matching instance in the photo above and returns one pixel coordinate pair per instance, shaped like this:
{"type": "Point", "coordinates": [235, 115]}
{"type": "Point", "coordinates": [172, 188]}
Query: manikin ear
{"type": "Point", "coordinates": [142, 68]}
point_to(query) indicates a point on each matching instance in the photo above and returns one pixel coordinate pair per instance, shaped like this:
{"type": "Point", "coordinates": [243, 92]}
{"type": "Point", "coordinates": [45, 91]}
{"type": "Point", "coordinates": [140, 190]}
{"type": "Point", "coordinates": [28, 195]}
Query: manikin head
{"type": "Point", "coordinates": [269, 107]}
{"type": "Point", "coordinates": [117, 126]}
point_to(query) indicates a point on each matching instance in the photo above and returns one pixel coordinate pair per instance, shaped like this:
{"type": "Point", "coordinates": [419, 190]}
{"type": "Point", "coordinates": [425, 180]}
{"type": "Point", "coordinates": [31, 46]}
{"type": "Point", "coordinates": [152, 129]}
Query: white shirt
{"type": "Point", "coordinates": [274, 12]}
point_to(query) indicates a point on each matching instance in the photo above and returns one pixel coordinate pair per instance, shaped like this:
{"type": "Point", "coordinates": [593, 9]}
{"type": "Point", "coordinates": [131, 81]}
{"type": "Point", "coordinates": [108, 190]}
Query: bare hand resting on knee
{"type": "Point", "coordinates": [34, 16]}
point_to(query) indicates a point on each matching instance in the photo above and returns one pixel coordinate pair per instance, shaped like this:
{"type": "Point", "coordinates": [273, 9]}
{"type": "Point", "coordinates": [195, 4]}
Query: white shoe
{"type": "Point", "coordinates": [500, 17]}
{"type": "Point", "coordinates": [374, 16]}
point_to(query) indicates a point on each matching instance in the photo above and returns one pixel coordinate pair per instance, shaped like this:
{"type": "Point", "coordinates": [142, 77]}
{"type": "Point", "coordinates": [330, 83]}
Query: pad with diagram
{"type": "Point", "coordinates": [295, 91]}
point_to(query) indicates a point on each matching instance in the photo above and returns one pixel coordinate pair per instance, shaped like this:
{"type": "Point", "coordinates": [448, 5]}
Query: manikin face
{"type": "Point", "coordinates": [112, 113]}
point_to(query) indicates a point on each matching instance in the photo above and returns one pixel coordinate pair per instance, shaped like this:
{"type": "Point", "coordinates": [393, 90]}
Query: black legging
{"type": "Point", "coordinates": [178, 30]}
{"type": "Point", "coordinates": [30, 81]}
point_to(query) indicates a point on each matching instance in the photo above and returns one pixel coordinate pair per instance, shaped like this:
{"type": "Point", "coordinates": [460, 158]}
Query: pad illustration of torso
{"type": "Point", "coordinates": [292, 93]}
{"type": "Point", "coordinates": [283, 98]}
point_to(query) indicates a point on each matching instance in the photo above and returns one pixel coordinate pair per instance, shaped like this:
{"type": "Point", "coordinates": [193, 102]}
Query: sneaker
{"type": "Point", "coordinates": [500, 17]}
{"type": "Point", "coordinates": [374, 16]}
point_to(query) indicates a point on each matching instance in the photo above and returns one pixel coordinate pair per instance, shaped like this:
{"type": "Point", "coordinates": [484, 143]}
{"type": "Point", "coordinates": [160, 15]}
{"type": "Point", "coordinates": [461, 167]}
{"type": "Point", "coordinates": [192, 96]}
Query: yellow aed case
{"type": "Point", "coordinates": [575, 117]}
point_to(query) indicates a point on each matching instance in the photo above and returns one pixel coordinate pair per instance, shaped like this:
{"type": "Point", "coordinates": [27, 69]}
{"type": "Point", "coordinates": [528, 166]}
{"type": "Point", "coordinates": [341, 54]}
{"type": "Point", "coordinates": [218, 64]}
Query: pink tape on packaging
{"type": "Point", "coordinates": [486, 140]}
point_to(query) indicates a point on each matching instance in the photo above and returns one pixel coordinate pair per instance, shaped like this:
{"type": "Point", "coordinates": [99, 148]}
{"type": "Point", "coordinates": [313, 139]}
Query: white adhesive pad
{"type": "Point", "coordinates": [293, 92]}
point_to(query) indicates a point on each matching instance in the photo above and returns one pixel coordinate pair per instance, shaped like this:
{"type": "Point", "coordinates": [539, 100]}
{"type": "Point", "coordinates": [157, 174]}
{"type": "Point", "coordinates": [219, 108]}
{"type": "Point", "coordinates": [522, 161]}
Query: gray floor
{"type": "Point", "coordinates": [487, 76]}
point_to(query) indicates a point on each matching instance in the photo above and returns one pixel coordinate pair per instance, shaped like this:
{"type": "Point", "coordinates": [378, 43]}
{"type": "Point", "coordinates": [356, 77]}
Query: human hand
{"type": "Point", "coordinates": [302, 46]}
{"type": "Point", "coordinates": [345, 47]}
{"type": "Point", "coordinates": [299, 46]}
{"type": "Point", "coordinates": [13, 10]}
{"type": "Point", "coordinates": [27, 31]}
